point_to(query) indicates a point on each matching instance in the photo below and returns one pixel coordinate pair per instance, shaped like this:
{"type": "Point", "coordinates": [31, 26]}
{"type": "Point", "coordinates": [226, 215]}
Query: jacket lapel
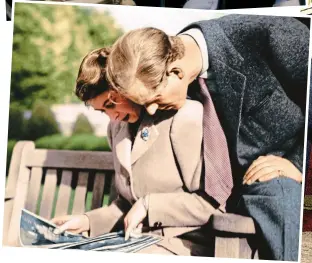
{"type": "Point", "coordinates": [140, 146]}
{"type": "Point", "coordinates": [123, 147]}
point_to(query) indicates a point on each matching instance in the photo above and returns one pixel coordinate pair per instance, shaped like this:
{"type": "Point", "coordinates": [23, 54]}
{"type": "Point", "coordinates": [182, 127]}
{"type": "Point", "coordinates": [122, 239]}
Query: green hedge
{"type": "Point", "coordinates": [56, 141]}
{"type": "Point", "coordinates": [16, 129]}
{"type": "Point", "coordinates": [82, 125]}
{"type": "Point", "coordinates": [41, 123]}
{"type": "Point", "coordinates": [82, 142]}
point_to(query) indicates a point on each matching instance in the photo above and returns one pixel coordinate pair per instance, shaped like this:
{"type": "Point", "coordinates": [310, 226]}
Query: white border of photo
{"type": "Point", "coordinates": [39, 255]}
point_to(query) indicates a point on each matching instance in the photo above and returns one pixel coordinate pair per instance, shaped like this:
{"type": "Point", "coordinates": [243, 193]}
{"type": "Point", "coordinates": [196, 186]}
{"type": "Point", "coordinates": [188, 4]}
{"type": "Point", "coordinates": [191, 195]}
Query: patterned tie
{"type": "Point", "coordinates": [218, 175]}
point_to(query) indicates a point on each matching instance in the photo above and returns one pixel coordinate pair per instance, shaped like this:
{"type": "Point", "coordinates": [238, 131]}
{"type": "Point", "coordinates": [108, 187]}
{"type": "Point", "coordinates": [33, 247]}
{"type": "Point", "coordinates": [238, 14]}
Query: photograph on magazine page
{"type": "Point", "coordinates": [192, 4]}
{"type": "Point", "coordinates": [170, 131]}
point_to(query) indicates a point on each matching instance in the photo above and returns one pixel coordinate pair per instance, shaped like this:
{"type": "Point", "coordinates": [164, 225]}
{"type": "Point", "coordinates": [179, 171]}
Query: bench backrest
{"type": "Point", "coordinates": [55, 182]}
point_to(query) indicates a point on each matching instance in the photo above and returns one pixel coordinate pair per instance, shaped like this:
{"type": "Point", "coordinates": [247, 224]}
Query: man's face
{"type": "Point", "coordinates": [117, 107]}
{"type": "Point", "coordinates": [171, 96]}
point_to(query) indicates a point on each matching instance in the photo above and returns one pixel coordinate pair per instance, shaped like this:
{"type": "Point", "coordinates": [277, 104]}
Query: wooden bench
{"type": "Point", "coordinates": [43, 181]}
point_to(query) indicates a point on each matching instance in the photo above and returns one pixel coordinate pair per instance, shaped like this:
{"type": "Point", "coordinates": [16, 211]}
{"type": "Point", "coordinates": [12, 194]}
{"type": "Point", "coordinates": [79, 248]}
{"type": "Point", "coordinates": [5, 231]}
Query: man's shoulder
{"type": "Point", "coordinates": [240, 20]}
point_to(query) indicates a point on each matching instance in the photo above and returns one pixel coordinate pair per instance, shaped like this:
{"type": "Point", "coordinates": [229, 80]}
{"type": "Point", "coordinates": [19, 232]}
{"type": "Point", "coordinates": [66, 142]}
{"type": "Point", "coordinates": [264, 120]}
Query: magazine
{"type": "Point", "coordinates": [36, 231]}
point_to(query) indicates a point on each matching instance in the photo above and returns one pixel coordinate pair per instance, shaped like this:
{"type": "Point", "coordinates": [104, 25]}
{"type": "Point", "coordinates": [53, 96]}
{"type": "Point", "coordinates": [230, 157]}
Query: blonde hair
{"type": "Point", "coordinates": [142, 54]}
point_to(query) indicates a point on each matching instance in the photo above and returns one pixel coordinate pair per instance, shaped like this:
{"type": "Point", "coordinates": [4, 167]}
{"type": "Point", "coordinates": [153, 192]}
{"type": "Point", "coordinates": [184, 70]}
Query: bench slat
{"type": "Point", "coordinates": [33, 189]}
{"type": "Point", "coordinates": [98, 190]}
{"type": "Point", "coordinates": [112, 191]}
{"type": "Point", "coordinates": [64, 194]}
{"type": "Point", "coordinates": [80, 194]}
{"type": "Point", "coordinates": [48, 194]}
{"type": "Point", "coordinates": [62, 159]}
{"type": "Point", "coordinates": [227, 247]}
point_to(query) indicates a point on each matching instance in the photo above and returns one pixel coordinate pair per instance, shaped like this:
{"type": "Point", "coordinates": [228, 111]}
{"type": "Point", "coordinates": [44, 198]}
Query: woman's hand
{"type": "Point", "coordinates": [135, 217]}
{"type": "Point", "coordinates": [268, 167]}
{"type": "Point", "coordinates": [73, 223]}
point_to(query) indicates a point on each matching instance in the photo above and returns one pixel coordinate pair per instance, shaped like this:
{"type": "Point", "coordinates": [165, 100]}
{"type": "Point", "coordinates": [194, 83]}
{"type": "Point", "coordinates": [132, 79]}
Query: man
{"type": "Point", "coordinates": [255, 68]}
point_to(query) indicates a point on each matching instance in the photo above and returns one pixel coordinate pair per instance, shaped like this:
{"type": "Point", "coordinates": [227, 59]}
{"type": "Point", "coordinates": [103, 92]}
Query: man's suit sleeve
{"type": "Point", "coordinates": [289, 42]}
{"type": "Point", "coordinates": [284, 45]}
{"type": "Point", "coordinates": [184, 208]}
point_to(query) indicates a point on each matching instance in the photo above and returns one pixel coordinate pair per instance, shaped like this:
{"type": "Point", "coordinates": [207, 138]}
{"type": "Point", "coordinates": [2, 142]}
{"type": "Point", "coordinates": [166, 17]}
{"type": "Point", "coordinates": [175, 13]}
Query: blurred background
{"type": "Point", "coordinates": [49, 42]}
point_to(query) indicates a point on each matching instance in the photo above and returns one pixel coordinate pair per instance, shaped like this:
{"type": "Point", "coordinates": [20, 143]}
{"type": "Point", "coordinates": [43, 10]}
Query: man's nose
{"type": "Point", "coordinates": [151, 108]}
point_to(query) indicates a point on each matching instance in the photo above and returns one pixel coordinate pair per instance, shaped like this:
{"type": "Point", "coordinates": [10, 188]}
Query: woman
{"type": "Point", "coordinates": [158, 168]}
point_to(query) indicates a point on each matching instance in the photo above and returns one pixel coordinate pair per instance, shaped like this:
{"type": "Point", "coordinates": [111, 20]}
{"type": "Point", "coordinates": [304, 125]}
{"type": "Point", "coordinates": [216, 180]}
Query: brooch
{"type": "Point", "coordinates": [144, 134]}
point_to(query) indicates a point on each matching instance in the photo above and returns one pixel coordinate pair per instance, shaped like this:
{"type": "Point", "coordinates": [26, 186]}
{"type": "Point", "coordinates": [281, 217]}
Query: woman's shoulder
{"type": "Point", "coordinates": [190, 116]}
{"type": "Point", "coordinates": [192, 109]}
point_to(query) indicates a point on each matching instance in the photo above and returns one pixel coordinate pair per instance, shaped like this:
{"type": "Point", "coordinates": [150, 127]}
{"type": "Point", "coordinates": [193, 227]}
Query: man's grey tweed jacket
{"type": "Point", "coordinates": [258, 66]}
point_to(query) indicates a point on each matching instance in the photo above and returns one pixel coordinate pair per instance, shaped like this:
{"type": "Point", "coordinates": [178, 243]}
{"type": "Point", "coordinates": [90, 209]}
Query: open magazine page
{"type": "Point", "coordinates": [36, 231]}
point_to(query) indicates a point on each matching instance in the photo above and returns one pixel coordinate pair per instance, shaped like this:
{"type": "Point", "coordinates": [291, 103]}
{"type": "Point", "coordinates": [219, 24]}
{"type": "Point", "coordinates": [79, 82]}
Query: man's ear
{"type": "Point", "coordinates": [176, 71]}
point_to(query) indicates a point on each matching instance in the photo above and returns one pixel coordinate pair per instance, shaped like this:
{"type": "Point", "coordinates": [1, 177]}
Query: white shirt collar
{"type": "Point", "coordinates": [198, 36]}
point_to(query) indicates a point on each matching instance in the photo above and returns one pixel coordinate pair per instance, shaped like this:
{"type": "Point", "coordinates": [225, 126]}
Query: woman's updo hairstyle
{"type": "Point", "coordinates": [91, 80]}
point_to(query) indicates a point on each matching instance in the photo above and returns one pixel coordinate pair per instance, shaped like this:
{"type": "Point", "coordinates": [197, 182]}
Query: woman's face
{"type": "Point", "coordinates": [117, 107]}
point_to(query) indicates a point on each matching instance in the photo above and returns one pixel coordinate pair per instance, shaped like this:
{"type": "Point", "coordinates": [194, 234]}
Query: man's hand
{"type": "Point", "coordinates": [134, 218]}
{"type": "Point", "coordinates": [73, 223]}
{"type": "Point", "coordinates": [268, 167]}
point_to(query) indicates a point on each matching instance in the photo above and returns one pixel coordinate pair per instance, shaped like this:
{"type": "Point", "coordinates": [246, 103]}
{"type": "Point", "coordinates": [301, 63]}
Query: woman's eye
{"type": "Point", "coordinates": [109, 105]}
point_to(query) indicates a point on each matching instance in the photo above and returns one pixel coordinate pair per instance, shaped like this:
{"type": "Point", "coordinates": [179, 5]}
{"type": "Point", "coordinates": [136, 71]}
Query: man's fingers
{"type": "Point", "coordinates": [256, 162]}
{"type": "Point", "coordinates": [269, 176]}
{"type": "Point", "coordinates": [256, 169]}
{"type": "Point", "coordinates": [260, 160]}
{"type": "Point", "coordinates": [260, 173]}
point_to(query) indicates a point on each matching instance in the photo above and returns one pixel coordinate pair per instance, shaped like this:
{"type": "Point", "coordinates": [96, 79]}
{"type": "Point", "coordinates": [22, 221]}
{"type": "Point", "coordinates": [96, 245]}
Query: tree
{"type": "Point", "coordinates": [41, 123]}
{"type": "Point", "coordinates": [82, 125]}
{"type": "Point", "coordinates": [49, 46]}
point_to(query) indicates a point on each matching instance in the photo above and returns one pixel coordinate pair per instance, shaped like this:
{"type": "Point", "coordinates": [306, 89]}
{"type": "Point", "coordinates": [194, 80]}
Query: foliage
{"type": "Point", "coordinates": [88, 143]}
{"type": "Point", "coordinates": [56, 141]}
{"type": "Point", "coordinates": [41, 123]}
{"type": "Point", "coordinates": [82, 125]}
{"type": "Point", "coordinates": [16, 128]}
{"type": "Point", "coordinates": [82, 142]}
{"type": "Point", "coordinates": [48, 49]}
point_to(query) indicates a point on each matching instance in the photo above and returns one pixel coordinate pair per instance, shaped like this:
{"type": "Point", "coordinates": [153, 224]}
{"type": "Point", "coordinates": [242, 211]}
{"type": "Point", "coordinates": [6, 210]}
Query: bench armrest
{"type": "Point", "coordinates": [232, 223]}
